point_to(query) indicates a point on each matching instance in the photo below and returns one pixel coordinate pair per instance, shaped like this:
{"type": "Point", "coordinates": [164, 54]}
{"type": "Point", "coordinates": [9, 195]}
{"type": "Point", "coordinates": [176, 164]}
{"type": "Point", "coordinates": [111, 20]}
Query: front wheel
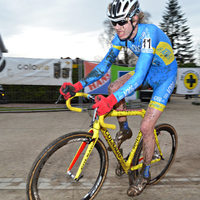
{"type": "Point", "coordinates": [48, 179]}
{"type": "Point", "coordinates": [168, 140]}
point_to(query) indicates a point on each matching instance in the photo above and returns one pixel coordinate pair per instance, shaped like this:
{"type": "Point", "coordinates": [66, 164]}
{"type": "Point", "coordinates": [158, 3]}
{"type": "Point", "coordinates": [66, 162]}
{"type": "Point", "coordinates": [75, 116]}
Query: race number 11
{"type": "Point", "coordinates": [146, 43]}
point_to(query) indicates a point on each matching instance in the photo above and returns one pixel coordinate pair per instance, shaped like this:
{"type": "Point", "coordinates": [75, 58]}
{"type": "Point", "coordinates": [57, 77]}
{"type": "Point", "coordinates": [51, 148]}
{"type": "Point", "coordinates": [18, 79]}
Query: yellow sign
{"type": "Point", "coordinates": [190, 81]}
{"type": "Point", "coordinates": [75, 65]}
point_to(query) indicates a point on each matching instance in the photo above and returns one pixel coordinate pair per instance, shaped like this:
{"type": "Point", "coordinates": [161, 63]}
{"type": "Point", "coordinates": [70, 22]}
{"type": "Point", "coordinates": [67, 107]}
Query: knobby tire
{"type": "Point", "coordinates": [168, 140]}
{"type": "Point", "coordinates": [48, 180]}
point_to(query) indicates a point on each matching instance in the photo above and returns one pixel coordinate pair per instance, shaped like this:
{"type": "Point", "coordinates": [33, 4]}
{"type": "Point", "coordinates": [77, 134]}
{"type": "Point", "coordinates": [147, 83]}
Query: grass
{"type": "Point", "coordinates": [14, 109]}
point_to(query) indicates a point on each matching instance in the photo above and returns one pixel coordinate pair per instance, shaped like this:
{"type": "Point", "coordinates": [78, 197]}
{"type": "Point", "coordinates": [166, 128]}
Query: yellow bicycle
{"type": "Point", "coordinates": [74, 166]}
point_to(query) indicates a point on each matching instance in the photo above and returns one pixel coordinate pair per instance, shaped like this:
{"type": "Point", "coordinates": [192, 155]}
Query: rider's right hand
{"type": "Point", "coordinates": [72, 87]}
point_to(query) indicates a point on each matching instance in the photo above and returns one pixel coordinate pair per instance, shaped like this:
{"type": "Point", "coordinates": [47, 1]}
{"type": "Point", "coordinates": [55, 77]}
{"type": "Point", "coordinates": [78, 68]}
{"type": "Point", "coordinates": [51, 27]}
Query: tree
{"type": "Point", "coordinates": [106, 37]}
{"type": "Point", "coordinates": [174, 25]}
{"type": "Point", "coordinates": [198, 53]}
{"type": "Point", "coordinates": [126, 57]}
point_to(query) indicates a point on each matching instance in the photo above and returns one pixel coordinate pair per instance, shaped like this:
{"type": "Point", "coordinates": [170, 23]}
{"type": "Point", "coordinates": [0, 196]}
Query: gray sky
{"type": "Point", "coordinates": [61, 28]}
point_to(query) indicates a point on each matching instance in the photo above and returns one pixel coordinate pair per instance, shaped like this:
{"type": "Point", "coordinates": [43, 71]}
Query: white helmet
{"type": "Point", "coordinates": [120, 9]}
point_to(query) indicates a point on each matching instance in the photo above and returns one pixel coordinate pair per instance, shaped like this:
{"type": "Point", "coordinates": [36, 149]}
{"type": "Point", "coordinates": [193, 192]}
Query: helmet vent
{"type": "Point", "coordinates": [126, 6]}
{"type": "Point", "coordinates": [119, 6]}
{"type": "Point", "coordinates": [120, 9]}
{"type": "Point", "coordinates": [113, 10]}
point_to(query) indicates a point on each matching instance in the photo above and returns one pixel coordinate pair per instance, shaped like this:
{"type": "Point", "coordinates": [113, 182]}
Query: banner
{"type": "Point", "coordinates": [118, 71]}
{"type": "Point", "coordinates": [29, 71]}
{"type": "Point", "coordinates": [100, 86]}
{"type": "Point", "coordinates": [188, 81]}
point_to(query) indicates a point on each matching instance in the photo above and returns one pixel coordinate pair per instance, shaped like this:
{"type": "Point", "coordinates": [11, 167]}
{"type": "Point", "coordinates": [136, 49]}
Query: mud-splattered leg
{"type": "Point", "coordinates": [124, 132]}
{"type": "Point", "coordinates": [147, 128]}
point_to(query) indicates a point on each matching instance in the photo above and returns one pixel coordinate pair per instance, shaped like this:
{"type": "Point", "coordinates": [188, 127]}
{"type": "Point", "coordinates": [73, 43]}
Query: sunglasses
{"type": "Point", "coordinates": [121, 23]}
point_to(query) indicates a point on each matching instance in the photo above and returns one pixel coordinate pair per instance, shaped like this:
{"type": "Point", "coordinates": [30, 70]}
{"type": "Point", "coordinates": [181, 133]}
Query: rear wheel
{"type": "Point", "coordinates": [48, 179]}
{"type": "Point", "coordinates": [168, 141]}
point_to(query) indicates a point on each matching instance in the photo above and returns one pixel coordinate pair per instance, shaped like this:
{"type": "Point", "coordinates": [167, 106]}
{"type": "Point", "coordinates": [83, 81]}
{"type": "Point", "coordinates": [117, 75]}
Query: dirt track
{"type": "Point", "coordinates": [24, 135]}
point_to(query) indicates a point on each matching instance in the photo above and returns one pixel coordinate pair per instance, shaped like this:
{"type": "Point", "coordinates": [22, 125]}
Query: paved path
{"type": "Point", "coordinates": [24, 135]}
{"type": "Point", "coordinates": [173, 181]}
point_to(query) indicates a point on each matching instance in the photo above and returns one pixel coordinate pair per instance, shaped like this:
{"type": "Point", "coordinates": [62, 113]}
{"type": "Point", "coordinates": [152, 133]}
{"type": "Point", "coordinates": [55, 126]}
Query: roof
{"type": "Point", "coordinates": [2, 46]}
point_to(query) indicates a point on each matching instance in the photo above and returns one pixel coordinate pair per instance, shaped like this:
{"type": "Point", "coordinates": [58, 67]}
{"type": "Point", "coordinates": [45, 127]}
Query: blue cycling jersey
{"type": "Point", "coordinates": [156, 66]}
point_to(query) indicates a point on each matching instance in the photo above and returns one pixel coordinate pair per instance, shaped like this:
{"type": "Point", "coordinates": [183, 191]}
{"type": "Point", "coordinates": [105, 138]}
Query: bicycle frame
{"type": "Point", "coordinates": [100, 125]}
{"type": "Point", "coordinates": [126, 165]}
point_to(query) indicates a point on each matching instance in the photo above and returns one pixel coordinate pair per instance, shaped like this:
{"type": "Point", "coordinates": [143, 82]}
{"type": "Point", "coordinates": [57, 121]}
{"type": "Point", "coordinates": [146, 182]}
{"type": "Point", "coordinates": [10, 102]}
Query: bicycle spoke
{"type": "Point", "coordinates": [52, 172]}
{"type": "Point", "coordinates": [167, 138]}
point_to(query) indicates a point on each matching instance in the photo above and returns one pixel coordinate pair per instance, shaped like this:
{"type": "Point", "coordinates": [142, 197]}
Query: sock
{"type": "Point", "coordinates": [146, 171]}
{"type": "Point", "coordinates": [124, 125]}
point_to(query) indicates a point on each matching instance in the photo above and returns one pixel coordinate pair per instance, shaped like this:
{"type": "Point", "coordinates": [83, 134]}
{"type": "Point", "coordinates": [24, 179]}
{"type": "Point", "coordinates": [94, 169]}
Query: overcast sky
{"type": "Point", "coordinates": [70, 28]}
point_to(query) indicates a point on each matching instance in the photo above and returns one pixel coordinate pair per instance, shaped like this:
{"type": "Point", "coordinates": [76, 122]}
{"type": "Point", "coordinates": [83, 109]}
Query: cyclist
{"type": "Point", "coordinates": [156, 67]}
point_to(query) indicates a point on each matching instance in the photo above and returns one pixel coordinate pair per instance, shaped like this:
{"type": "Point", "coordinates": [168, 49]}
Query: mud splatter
{"type": "Point", "coordinates": [110, 57]}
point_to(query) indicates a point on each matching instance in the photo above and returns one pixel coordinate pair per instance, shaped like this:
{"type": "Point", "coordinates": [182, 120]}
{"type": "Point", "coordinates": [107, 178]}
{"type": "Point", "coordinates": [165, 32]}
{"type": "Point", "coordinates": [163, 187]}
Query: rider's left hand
{"type": "Point", "coordinates": [104, 104]}
{"type": "Point", "coordinates": [72, 87]}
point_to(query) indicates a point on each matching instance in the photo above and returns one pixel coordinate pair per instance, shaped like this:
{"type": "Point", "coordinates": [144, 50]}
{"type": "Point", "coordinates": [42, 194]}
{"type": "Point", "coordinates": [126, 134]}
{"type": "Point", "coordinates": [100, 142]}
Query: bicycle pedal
{"type": "Point", "coordinates": [119, 170]}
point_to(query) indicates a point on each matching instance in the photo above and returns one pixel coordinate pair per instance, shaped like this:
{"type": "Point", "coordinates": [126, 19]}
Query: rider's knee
{"type": "Point", "coordinates": [146, 129]}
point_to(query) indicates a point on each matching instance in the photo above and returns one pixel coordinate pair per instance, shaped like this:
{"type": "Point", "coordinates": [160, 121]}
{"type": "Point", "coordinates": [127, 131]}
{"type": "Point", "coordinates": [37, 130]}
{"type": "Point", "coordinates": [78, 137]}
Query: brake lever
{"type": "Point", "coordinates": [59, 98]}
{"type": "Point", "coordinates": [65, 91]}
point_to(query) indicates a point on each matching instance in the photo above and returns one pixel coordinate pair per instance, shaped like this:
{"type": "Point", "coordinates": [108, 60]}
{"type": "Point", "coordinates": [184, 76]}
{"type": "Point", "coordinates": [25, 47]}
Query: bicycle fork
{"type": "Point", "coordinates": [91, 141]}
{"type": "Point", "coordinates": [80, 150]}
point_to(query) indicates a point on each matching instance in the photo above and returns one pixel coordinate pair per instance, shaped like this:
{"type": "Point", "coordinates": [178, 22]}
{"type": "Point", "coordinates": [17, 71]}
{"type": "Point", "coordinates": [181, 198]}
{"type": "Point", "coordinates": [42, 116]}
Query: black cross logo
{"type": "Point", "coordinates": [191, 80]}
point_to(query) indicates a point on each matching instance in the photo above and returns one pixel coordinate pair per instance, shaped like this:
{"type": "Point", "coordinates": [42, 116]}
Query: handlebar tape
{"type": "Point", "coordinates": [68, 102]}
{"type": "Point", "coordinates": [103, 124]}
{"type": "Point", "coordinates": [101, 118]}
